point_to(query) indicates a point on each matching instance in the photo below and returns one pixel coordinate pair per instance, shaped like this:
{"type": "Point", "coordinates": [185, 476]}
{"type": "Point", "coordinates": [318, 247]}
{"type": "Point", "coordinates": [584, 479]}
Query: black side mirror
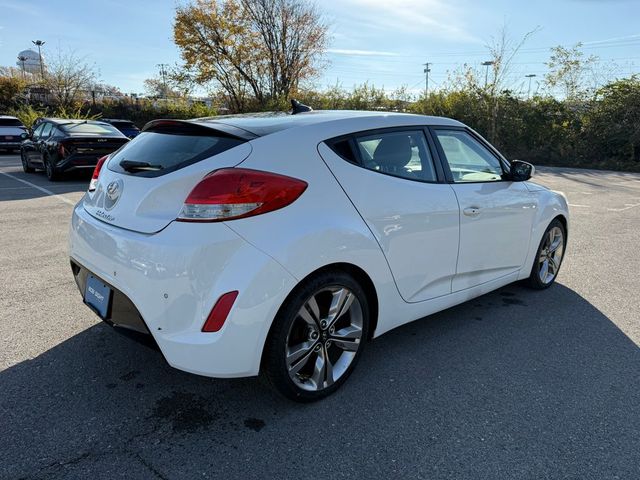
{"type": "Point", "coordinates": [521, 171]}
{"type": "Point", "coordinates": [24, 135]}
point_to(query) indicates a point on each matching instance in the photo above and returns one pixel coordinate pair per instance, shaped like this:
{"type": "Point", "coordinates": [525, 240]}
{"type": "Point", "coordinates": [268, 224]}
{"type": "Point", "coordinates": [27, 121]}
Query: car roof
{"type": "Point", "coordinates": [9, 117]}
{"type": "Point", "coordinates": [261, 124]}
{"type": "Point", "coordinates": [110, 120]}
{"type": "Point", "coordinates": [65, 121]}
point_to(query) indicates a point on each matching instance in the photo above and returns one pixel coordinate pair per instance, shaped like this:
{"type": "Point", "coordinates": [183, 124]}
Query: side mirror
{"type": "Point", "coordinates": [521, 171]}
{"type": "Point", "coordinates": [24, 135]}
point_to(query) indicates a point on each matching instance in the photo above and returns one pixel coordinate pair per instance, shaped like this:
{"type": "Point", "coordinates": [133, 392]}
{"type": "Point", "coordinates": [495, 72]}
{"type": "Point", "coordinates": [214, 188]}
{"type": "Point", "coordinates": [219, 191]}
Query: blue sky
{"type": "Point", "coordinates": [383, 42]}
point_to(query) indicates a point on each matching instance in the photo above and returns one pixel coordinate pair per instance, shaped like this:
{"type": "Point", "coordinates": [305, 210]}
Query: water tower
{"type": "Point", "coordinates": [31, 62]}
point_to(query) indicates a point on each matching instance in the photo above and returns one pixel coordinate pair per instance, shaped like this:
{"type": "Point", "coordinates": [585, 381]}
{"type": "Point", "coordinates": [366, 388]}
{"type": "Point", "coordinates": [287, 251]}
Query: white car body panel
{"type": "Point", "coordinates": [495, 229]}
{"type": "Point", "coordinates": [174, 272]}
{"type": "Point", "coordinates": [405, 216]}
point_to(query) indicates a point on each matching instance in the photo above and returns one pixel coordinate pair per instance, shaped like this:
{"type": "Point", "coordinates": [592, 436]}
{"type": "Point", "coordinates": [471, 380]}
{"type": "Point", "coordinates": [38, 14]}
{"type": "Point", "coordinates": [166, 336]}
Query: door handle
{"type": "Point", "coordinates": [471, 211]}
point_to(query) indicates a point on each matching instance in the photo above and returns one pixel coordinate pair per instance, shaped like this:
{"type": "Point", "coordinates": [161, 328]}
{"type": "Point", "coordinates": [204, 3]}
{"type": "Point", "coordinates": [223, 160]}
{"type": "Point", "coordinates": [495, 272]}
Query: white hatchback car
{"type": "Point", "coordinates": [280, 243]}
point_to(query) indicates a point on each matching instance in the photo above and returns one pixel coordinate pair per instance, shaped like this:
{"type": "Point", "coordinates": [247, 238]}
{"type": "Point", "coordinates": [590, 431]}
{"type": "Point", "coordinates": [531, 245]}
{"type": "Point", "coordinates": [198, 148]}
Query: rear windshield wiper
{"type": "Point", "coordinates": [133, 166]}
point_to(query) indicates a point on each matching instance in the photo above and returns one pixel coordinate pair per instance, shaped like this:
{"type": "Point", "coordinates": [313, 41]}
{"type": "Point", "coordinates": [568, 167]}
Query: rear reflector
{"type": "Point", "coordinates": [96, 173]}
{"type": "Point", "coordinates": [219, 312]}
{"type": "Point", "coordinates": [231, 193]}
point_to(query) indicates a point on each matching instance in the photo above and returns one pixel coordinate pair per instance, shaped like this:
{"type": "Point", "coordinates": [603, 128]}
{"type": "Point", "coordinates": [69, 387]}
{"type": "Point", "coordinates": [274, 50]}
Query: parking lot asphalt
{"type": "Point", "coordinates": [515, 384]}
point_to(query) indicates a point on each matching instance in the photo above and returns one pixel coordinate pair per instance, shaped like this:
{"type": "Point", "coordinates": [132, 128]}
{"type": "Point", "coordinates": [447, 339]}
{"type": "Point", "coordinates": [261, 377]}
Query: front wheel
{"type": "Point", "coordinates": [549, 256]}
{"type": "Point", "coordinates": [317, 337]}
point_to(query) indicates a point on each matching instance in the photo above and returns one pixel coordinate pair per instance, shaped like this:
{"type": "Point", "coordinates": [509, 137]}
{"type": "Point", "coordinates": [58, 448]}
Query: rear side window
{"type": "Point", "coordinates": [402, 154]}
{"type": "Point", "coordinates": [10, 122]}
{"type": "Point", "coordinates": [151, 154]}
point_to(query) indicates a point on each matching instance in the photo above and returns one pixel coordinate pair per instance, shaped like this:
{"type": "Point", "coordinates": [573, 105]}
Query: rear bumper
{"type": "Point", "coordinates": [123, 315]}
{"type": "Point", "coordinates": [172, 279]}
{"type": "Point", "coordinates": [77, 162]}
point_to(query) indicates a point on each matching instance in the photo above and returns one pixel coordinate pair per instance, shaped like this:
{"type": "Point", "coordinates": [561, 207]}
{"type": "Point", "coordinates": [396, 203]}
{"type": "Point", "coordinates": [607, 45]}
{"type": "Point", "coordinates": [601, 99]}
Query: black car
{"type": "Point", "coordinates": [11, 130]}
{"type": "Point", "coordinates": [59, 145]}
{"type": "Point", "coordinates": [125, 126]}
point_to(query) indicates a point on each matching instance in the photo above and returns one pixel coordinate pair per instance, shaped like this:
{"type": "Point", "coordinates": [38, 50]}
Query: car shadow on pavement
{"type": "Point", "coordinates": [514, 384]}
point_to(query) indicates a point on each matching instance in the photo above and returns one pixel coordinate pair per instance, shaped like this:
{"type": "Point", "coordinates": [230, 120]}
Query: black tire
{"type": "Point", "coordinates": [274, 364]}
{"type": "Point", "coordinates": [49, 170]}
{"type": "Point", "coordinates": [535, 281]}
{"type": "Point", "coordinates": [25, 163]}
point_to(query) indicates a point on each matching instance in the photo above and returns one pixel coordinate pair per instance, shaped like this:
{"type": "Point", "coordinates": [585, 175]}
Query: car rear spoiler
{"type": "Point", "coordinates": [191, 127]}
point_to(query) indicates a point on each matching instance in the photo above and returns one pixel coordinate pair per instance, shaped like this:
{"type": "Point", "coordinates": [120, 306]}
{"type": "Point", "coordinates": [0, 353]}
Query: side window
{"type": "Point", "coordinates": [468, 159]}
{"type": "Point", "coordinates": [46, 131]}
{"type": "Point", "coordinates": [38, 131]}
{"type": "Point", "coordinates": [402, 154]}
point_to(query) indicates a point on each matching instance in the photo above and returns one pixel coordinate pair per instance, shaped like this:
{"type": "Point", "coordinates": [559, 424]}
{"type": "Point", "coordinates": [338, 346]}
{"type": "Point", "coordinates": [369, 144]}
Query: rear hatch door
{"type": "Point", "coordinates": [143, 186]}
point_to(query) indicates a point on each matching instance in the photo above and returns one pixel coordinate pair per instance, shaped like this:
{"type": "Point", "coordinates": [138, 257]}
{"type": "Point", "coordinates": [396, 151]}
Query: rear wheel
{"type": "Point", "coordinates": [317, 337]}
{"type": "Point", "coordinates": [25, 163]}
{"type": "Point", "coordinates": [50, 170]}
{"type": "Point", "coordinates": [549, 256]}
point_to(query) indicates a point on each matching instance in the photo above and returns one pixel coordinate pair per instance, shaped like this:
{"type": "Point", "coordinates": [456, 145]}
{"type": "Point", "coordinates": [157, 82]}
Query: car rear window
{"type": "Point", "coordinates": [124, 125]}
{"type": "Point", "coordinates": [90, 128]}
{"type": "Point", "coordinates": [10, 122]}
{"type": "Point", "coordinates": [151, 154]}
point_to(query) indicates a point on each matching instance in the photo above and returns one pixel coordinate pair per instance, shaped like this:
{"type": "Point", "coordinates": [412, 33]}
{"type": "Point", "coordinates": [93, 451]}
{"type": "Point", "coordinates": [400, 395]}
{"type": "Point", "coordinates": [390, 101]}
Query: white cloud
{"type": "Point", "coordinates": [444, 19]}
{"type": "Point", "coordinates": [364, 53]}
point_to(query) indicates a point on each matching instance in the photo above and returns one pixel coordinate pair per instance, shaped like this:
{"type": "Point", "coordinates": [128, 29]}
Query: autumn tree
{"type": "Point", "coordinates": [568, 69]}
{"type": "Point", "coordinates": [68, 77]}
{"type": "Point", "coordinates": [252, 49]}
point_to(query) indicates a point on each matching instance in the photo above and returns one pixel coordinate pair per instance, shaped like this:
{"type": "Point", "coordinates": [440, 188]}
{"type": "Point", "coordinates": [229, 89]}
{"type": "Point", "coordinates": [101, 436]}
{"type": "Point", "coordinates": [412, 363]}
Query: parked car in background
{"type": "Point", "coordinates": [127, 127]}
{"type": "Point", "coordinates": [11, 130]}
{"type": "Point", "coordinates": [60, 145]}
{"type": "Point", "coordinates": [282, 243]}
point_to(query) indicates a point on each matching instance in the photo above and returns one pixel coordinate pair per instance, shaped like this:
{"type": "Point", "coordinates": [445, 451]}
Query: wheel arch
{"type": "Point", "coordinates": [359, 275]}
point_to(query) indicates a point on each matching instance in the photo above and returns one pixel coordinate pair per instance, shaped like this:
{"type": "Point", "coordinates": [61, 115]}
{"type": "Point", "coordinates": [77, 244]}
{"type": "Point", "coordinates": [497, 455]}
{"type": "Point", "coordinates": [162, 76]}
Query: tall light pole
{"type": "Point", "coordinates": [22, 59]}
{"type": "Point", "coordinates": [487, 64]}
{"type": "Point", "coordinates": [39, 44]}
{"type": "Point", "coordinates": [529, 76]}
{"type": "Point", "coordinates": [426, 84]}
{"type": "Point", "coordinates": [163, 73]}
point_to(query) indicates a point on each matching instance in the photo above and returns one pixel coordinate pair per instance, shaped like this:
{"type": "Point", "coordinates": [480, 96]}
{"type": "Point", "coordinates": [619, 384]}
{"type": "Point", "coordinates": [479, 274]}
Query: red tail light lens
{"type": "Point", "coordinates": [96, 173]}
{"type": "Point", "coordinates": [220, 312]}
{"type": "Point", "coordinates": [232, 193]}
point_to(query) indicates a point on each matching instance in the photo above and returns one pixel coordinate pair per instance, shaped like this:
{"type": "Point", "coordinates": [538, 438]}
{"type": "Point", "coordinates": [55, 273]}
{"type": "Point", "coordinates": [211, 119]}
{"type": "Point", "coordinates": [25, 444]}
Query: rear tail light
{"type": "Point", "coordinates": [96, 173]}
{"type": "Point", "coordinates": [231, 193]}
{"type": "Point", "coordinates": [220, 312]}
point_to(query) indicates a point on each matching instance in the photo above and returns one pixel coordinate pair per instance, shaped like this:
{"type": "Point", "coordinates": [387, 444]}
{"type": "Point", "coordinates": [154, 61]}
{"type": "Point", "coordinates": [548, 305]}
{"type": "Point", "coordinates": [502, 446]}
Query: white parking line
{"type": "Point", "coordinates": [37, 187]}
{"type": "Point", "coordinates": [579, 206]}
{"type": "Point", "coordinates": [628, 206]}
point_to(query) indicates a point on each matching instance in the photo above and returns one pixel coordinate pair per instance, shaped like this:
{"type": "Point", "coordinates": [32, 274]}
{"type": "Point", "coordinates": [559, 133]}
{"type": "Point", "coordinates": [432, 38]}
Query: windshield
{"type": "Point", "coordinates": [90, 128]}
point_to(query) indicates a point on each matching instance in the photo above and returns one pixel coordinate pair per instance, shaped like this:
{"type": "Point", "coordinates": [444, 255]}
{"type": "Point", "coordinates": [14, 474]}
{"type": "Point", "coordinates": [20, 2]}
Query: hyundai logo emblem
{"type": "Point", "coordinates": [113, 192]}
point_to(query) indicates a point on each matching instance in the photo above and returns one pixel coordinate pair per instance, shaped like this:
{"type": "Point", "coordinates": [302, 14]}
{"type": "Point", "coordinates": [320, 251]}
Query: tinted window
{"type": "Point", "coordinates": [166, 152]}
{"type": "Point", "coordinates": [402, 154]}
{"type": "Point", "coordinates": [90, 128]}
{"type": "Point", "coordinates": [468, 159]}
{"type": "Point", "coordinates": [38, 131]}
{"type": "Point", "coordinates": [46, 131]}
{"type": "Point", "coordinates": [127, 125]}
{"type": "Point", "coordinates": [10, 122]}
{"type": "Point", "coordinates": [343, 148]}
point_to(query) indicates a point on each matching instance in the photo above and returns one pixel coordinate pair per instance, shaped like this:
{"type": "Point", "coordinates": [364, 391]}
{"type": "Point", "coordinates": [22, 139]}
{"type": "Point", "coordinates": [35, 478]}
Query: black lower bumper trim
{"type": "Point", "coordinates": [123, 316]}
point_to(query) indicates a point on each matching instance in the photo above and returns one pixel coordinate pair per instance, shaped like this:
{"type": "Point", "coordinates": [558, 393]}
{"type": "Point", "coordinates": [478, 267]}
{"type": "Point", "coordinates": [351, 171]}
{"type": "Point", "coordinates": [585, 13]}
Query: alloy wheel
{"type": "Point", "coordinates": [550, 255]}
{"type": "Point", "coordinates": [324, 338]}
